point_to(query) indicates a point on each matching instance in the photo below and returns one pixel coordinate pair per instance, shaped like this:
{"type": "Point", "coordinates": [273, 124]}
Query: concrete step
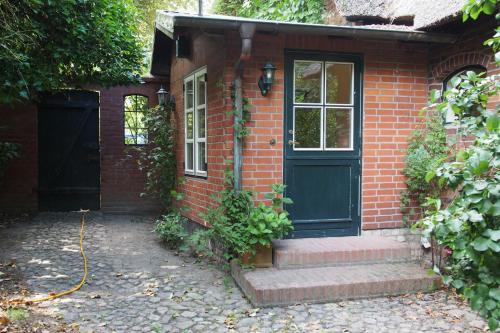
{"type": "Point", "coordinates": [338, 251]}
{"type": "Point", "coordinates": [271, 286]}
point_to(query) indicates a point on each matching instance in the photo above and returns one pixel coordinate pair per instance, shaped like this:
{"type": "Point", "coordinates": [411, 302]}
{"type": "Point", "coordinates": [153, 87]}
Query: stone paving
{"type": "Point", "coordinates": [136, 285]}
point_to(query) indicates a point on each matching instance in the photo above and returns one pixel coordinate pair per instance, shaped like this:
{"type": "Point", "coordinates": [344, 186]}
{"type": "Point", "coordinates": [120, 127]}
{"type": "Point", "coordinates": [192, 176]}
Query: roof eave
{"type": "Point", "coordinates": [167, 22]}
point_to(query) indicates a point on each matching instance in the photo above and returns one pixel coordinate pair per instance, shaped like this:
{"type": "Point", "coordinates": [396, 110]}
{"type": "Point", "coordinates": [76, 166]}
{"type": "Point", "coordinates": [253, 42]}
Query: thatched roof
{"type": "Point", "coordinates": [425, 14]}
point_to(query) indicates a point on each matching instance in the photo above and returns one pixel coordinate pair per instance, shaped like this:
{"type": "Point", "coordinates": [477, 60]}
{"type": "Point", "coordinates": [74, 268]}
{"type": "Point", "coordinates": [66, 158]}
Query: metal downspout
{"type": "Point", "coordinates": [247, 31]}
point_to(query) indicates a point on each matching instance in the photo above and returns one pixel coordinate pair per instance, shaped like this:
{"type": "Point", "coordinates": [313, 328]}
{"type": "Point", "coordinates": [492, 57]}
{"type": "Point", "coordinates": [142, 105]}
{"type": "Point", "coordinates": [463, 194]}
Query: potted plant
{"type": "Point", "coordinates": [265, 224]}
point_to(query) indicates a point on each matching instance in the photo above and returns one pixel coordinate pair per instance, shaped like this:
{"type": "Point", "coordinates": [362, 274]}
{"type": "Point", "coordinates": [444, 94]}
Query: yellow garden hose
{"type": "Point", "coordinates": [77, 287]}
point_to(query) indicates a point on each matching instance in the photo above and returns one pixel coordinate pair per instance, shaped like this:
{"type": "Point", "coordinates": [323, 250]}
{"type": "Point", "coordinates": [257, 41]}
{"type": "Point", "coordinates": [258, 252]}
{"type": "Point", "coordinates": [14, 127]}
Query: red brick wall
{"type": "Point", "coordinates": [396, 81]}
{"type": "Point", "coordinates": [18, 188]}
{"type": "Point", "coordinates": [208, 50]}
{"type": "Point", "coordinates": [121, 180]}
{"type": "Point", "coordinates": [395, 89]}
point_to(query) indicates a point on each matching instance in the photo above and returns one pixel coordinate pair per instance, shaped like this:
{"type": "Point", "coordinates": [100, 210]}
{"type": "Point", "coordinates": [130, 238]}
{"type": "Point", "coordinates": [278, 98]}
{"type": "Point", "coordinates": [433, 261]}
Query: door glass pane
{"type": "Point", "coordinates": [201, 123]}
{"type": "Point", "coordinates": [200, 92]}
{"type": "Point", "coordinates": [307, 127]}
{"type": "Point", "coordinates": [338, 83]}
{"type": "Point", "coordinates": [307, 83]}
{"type": "Point", "coordinates": [189, 156]}
{"type": "Point", "coordinates": [201, 157]}
{"type": "Point", "coordinates": [189, 94]}
{"type": "Point", "coordinates": [189, 125]}
{"type": "Point", "coordinates": [338, 128]}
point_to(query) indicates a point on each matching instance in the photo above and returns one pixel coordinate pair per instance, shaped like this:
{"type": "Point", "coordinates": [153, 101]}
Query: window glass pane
{"type": "Point", "coordinates": [131, 121]}
{"type": "Point", "coordinates": [338, 128]}
{"type": "Point", "coordinates": [129, 137]}
{"type": "Point", "coordinates": [308, 81]}
{"type": "Point", "coordinates": [201, 123]}
{"type": "Point", "coordinates": [189, 156]}
{"type": "Point", "coordinates": [189, 94]}
{"type": "Point", "coordinates": [307, 127]}
{"type": "Point", "coordinates": [200, 90]}
{"type": "Point", "coordinates": [202, 166]}
{"type": "Point", "coordinates": [189, 125]}
{"type": "Point", "coordinates": [135, 107]}
{"type": "Point", "coordinates": [142, 136]}
{"type": "Point", "coordinates": [338, 83]}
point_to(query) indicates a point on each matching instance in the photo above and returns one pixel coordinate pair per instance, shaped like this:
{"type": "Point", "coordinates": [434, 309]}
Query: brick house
{"type": "Point", "coordinates": [333, 126]}
{"type": "Point", "coordinates": [355, 90]}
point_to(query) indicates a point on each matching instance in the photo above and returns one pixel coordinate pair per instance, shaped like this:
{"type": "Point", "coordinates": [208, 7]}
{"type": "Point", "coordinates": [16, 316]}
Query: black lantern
{"type": "Point", "coordinates": [162, 96]}
{"type": "Point", "coordinates": [267, 78]}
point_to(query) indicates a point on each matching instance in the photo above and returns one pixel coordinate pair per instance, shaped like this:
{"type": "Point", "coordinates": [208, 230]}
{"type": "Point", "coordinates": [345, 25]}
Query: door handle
{"type": "Point", "coordinates": [292, 143]}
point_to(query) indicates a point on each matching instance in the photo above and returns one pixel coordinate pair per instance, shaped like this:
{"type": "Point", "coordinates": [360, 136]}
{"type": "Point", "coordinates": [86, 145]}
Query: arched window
{"type": "Point", "coordinates": [135, 129]}
{"type": "Point", "coordinates": [450, 116]}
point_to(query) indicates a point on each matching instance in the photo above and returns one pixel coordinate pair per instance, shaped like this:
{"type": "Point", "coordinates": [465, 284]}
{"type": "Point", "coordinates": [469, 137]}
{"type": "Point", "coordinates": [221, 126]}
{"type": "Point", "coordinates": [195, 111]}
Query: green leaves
{"type": "Point", "coordinates": [469, 225]}
{"type": "Point", "coordinates": [289, 10]}
{"type": "Point", "coordinates": [57, 44]}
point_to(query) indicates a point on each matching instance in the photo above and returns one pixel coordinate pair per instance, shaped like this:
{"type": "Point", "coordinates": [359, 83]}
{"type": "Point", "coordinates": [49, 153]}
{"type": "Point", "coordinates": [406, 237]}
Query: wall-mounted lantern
{"type": "Point", "coordinates": [162, 96]}
{"type": "Point", "coordinates": [267, 78]}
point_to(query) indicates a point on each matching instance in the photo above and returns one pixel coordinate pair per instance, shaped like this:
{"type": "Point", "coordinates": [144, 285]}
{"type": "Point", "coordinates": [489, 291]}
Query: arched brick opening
{"type": "Point", "coordinates": [440, 71]}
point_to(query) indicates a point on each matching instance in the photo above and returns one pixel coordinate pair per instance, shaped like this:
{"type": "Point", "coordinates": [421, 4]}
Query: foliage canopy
{"type": "Point", "coordinates": [47, 45]}
{"type": "Point", "coordinates": [304, 11]}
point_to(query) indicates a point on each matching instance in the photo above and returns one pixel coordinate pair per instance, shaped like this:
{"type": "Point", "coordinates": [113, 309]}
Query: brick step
{"type": "Point", "coordinates": [338, 251]}
{"type": "Point", "coordinates": [271, 286]}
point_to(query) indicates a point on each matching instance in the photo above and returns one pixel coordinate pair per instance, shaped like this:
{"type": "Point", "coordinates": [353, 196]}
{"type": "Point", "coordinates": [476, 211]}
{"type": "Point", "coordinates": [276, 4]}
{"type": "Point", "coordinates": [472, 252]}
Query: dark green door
{"type": "Point", "coordinates": [323, 142]}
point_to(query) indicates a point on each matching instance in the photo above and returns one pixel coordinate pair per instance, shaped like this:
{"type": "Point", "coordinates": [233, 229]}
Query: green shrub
{"type": "Point", "coordinates": [427, 148]}
{"type": "Point", "coordinates": [171, 229]}
{"type": "Point", "coordinates": [237, 225]}
{"type": "Point", "coordinates": [469, 225]}
{"type": "Point", "coordinates": [8, 152]}
{"type": "Point", "coordinates": [158, 159]}
{"type": "Point", "coordinates": [310, 11]}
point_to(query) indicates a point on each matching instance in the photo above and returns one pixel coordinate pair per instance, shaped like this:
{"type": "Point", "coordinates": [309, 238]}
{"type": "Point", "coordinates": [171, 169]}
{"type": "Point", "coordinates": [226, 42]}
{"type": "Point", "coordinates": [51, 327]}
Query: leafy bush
{"type": "Point", "coordinates": [171, 229]}
{"type": "Point", "coordinates": [267, 223]}
{"type": "Point", "coordinates": [237, 225]}
{"type": "Point", "coordinates": [49, 45]}
{"type": "Point", "coordinates": [8, 152]}
{"type": "Point", "coordinates": [158, 159]}
{"type": "Point", "coordinates": [427, 148]}
{"type": "Point", "coordinates": [470, 225]}
{"type": "Point", "coordinates": [305, 11]}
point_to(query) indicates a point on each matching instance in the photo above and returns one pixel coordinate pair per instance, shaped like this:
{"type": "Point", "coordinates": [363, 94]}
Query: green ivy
{"type": "Point", "coordinates": [240, 126]}
{"type": "Point", "coordinates": [304, 11]}
{"type": "Point", "coordinates": [427, 148]}
{"type": "Point", "coordinates": [158, 159]}
{"type": "Point", "coordinates": [469, 225]}
{"type": "Point", "coordinates": [8, 152]}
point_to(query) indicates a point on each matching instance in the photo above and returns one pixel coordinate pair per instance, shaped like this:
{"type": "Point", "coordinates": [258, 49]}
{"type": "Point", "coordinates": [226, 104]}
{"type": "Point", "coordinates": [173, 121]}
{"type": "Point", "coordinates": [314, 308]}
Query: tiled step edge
{"type": "Point", "coordinates": [272, 287]}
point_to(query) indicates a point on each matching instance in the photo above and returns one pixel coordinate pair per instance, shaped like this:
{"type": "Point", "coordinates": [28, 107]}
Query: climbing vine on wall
{"type": "Point", "coordinates": [427, 148]}
{"type": "Point", "coordinates": [158, 160]}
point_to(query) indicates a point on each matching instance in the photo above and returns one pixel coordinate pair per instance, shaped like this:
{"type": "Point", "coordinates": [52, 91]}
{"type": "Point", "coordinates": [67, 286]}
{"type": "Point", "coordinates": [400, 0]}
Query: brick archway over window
{"type": "Point", "coordinates": [440, 71]}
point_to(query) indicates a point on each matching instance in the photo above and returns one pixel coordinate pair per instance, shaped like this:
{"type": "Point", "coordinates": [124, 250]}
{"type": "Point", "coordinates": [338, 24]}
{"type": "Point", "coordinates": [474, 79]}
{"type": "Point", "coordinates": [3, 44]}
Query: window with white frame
{"type": "Point", "coordinates": [323, 105]}
{"type": "Point", "coordinates": [195, 123]}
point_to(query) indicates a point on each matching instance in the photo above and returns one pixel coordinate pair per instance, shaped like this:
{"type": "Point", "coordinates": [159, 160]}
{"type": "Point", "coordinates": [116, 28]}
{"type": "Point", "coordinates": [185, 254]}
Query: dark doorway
{"type": "Point", "coordinates": [322, 165]}
{"type": "Point", "coordinates": [68, 151]}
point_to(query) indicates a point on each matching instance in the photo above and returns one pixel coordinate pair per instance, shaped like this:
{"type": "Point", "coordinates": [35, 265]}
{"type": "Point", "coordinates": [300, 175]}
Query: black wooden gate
{"type": "Point", "coordinates": [68, 151]}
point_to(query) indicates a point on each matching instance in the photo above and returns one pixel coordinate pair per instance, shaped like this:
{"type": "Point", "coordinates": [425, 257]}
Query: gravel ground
{"type": "Point", "coordinates": [136, 285]}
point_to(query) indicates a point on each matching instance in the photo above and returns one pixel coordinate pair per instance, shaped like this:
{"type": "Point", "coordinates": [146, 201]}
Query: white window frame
{"type": "Point", "coordinates": [192, 77]}
{"type": "Point", "coordinates": [323, 105]}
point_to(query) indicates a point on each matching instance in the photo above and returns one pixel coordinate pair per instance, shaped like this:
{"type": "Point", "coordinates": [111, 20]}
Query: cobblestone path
{"type": "Point", "coordinates": [136, 285]}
